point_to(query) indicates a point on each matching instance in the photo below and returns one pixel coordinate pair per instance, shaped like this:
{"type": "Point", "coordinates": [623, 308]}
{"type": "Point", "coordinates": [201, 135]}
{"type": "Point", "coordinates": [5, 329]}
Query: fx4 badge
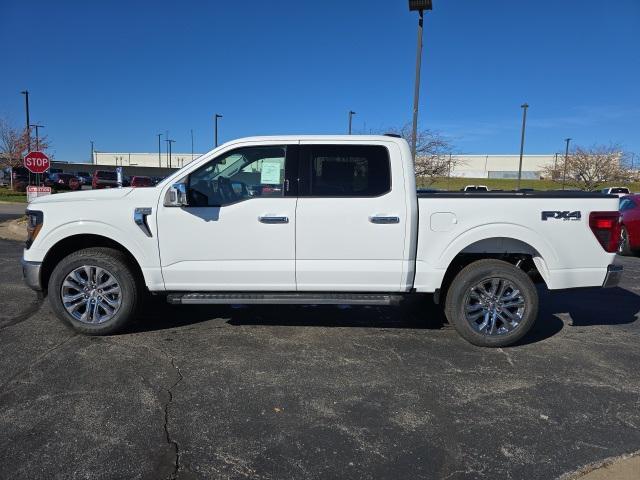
{"type": "Point", "coordinates": [565, 215]}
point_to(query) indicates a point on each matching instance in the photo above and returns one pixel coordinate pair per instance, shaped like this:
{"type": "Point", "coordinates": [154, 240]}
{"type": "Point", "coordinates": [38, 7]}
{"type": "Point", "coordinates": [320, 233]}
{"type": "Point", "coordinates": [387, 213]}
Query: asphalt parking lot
{"type": "Point", "coordinates": [322, 392]}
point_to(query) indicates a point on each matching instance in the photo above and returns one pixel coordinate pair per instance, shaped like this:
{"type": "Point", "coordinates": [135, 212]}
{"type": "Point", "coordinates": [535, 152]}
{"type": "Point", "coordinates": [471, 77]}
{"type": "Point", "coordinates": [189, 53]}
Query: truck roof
{"type": "Point", "coordinates": [332, 138]}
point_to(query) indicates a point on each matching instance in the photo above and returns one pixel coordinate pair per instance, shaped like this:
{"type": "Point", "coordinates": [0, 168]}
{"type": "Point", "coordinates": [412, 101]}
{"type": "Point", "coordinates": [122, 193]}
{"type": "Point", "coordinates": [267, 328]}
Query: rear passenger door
{"type": "Point", "coordinates": [350, 218]}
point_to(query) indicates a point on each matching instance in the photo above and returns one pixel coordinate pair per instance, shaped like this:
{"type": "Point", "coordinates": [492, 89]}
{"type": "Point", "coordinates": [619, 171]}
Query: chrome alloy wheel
{"type": "Point", "coordinates": [91, 294]}
{"type": "Point", "coordinates": [623, 240]}
{"type": "Point", "coordinates": [494, 306]}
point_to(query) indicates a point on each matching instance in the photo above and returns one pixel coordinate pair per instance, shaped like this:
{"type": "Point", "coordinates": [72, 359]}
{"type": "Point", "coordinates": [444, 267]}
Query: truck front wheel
{"type": "Point", "coordinates": [95, 291]}
{"type": "Point", "coordinates": [492, 303]}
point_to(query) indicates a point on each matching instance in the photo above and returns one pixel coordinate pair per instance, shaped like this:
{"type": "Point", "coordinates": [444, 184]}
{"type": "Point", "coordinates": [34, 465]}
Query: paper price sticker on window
{"type": "Point", "coordinates": [270, 174]}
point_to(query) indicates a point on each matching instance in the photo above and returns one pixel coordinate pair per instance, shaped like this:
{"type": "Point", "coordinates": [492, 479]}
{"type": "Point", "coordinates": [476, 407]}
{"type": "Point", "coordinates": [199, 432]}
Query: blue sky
{"type": "Point", "coordinates": [119, 72]}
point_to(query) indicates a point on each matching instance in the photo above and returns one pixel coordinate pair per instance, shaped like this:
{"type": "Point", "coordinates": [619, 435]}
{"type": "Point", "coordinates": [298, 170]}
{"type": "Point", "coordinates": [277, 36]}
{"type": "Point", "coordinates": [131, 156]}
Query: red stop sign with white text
{"type": "Point", "coordinates": [36, 162]}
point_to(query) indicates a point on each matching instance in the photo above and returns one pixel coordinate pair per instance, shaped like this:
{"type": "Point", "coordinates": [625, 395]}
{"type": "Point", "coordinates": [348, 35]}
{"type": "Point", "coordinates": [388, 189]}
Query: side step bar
{"type": "Point", "coordinates": [291, 298]}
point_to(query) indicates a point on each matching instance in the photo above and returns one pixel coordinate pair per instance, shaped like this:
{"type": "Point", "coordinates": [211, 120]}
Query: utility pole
{"type": "Point", "coordinates": [92, 150]}
{"type": "Point", "coordinates": [37, 127]}
{"type": "Point", "coordinates": [524, 107]}
{"type": "Point", "coordinates": [421, 6]}
{"type": "Point", "coordinates": [26, 107]}
{"type": "Point", "coordinates": [169, 142]}
{"type": "Point", "coordinates": [351, 114]}
{"type": "Point", "coordinates": [159, 150]}
{"type": "Point", "coordinates": [566, 158]}
{"type": "Point", "coordinates": [216, 117]}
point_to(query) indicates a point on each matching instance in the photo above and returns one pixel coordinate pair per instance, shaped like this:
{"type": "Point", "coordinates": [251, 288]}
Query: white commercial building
{"type": "Point", "coordinates": [503, 166]}
{"type": "Point", "coordinates": [129, 159]}
{"type": "Point", "coordinates": [469, 166]}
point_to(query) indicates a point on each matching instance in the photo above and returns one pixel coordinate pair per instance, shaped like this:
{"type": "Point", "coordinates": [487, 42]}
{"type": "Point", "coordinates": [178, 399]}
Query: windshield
{"type": "Point", "coordinates": [106, 175]}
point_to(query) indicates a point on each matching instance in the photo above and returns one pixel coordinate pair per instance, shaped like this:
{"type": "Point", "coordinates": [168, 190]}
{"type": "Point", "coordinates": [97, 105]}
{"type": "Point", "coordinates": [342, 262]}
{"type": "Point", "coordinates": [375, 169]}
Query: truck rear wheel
{"type": "Point", "coordinates": [95, 291]}
{"type": "Point", "coordinates": [492, 303]}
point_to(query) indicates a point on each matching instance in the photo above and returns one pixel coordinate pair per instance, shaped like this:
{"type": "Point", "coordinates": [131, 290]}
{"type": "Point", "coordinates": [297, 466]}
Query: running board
{"type": "Point", "coordinates": [244, 298]}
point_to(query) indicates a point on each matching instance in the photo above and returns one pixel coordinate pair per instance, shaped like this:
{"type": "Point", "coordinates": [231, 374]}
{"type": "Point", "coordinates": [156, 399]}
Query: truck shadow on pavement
{"type": "Point", "coordinates": [580, 307]}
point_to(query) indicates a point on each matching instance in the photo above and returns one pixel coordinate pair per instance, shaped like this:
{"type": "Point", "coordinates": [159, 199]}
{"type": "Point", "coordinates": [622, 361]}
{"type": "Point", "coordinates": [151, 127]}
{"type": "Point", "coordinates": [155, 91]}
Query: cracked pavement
{"type": "Point", "coordinates": [316, 392]}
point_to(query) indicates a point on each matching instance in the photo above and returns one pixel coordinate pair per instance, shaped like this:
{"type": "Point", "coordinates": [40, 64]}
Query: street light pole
{"type": "Point", "coordinates": [416, 87]}
{"type": "Point", "coordinates": [26, 107]}
{"type": "Point", "coordinates": [37, 135]}
{"type": "Point", "coordinates": [216, 117]}
{"type": "Point", "coordinates": [566, 158]}
{"type": "Point", "coordinates": [524, 107]}
{"type": "Point", "coordinates": [351, 114]}
{"type": "Point", "coordinates": [93, 161]}
{"type": "Point", "coordinates": [159, 150]}
{"type": "Point", "coordinates": [169, 142]}
{"type": "Point", "coordinates": [191, 146]}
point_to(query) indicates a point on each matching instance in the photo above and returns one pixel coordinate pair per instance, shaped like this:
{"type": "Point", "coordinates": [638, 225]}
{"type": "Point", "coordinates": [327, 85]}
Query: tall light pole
{"type": "Point", "coordinates": [169, 142]}
{"type": "Point", "coordinates": [191, 146]}
{"type": "Point", "coordinates": [159, 135]}
{"type": "Point", "coordinates": [37, 127]}
{"type": "Point", "coordinates": [26, 108]}
{"type": "Point", "coordinates": [524, 107]}
{"type": "Point", "coordinates": [351, 114]}
{"type": "Point", "coordinates": [566, 158]}
{"type": "Point", "coordinates": [92, 154]}
{"type": "Point", "coordinates": [215, 119]}
{"type": "Point", "coordinates": [421, 6]}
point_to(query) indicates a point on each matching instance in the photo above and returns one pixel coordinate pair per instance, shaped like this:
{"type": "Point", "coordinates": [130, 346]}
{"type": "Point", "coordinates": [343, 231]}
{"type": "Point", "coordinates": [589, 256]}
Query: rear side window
{"type": "Point", "coordinates": [346, 170]}
{"type": "Point", "coordinates": [104, 175]}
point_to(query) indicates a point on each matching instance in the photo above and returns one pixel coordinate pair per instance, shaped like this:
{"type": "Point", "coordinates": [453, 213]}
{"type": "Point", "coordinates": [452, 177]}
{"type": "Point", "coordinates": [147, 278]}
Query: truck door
{"type": "Point", "coordinates": [350, 218]}
{"type": "Point", "coordinates": [238, 230]}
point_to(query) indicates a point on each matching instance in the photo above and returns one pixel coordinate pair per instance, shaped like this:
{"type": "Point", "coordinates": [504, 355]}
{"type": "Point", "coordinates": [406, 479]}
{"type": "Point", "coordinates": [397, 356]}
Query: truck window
{"type": "Point", "coordinates": [346, 170]}
{"type": "Point", "coordinates": [239, 175]}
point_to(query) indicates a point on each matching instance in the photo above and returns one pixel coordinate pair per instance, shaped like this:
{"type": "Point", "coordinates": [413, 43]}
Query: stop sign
{"type": "Point", "coordinates": [36, 162]}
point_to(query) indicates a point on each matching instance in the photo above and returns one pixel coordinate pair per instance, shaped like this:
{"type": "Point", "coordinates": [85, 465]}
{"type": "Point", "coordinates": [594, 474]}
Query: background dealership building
{"type": "Point", "coordinates": [469, 166]}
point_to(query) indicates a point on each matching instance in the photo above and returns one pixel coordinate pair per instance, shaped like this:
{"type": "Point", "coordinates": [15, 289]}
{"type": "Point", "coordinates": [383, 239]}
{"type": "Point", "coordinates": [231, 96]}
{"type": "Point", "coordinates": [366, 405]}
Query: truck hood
{"type": "Point", "coordinates": [83, 195]}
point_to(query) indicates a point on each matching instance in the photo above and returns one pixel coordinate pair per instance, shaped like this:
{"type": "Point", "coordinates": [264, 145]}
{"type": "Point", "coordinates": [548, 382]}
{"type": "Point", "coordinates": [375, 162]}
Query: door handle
{"type": "Point", "coordinates": [383, 220]}
{"type": "Point", "coordinates": [273, 219]}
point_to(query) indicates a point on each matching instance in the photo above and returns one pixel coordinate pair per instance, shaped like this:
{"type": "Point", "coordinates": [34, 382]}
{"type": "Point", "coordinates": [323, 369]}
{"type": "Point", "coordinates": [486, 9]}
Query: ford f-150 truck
{"type": "Point", "coordinates": [316, 220]}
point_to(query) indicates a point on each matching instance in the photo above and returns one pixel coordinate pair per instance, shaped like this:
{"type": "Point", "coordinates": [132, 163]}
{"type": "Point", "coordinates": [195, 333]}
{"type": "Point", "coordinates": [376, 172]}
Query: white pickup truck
{"type": "Point", "coordinates": [316, 220]}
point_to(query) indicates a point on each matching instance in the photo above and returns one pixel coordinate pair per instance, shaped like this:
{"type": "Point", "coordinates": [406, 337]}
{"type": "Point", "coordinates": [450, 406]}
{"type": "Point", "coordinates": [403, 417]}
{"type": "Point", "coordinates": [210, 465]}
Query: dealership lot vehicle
{"type": "Point", "coordinates": [62, 181]}
{"type": "Point", "coordinates": [475, 188]}
{"type": "Point", "coordinates": [140, 181]}
{"type": "Point", "coordinates": [104, 179]}
{"type": "Point", "coordinates": [335, 221]}
{"type": "Point", "coordinates": [630, 230]}
{"type": "Point", "coordinates": [84, 177]}
{"type": "Point", "coordinates": [619, 191]}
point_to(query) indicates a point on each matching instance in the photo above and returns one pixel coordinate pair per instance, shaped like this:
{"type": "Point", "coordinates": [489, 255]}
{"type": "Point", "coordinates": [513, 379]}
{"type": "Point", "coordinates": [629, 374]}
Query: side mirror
{"type": "Point", "coordinates": [176, 196]}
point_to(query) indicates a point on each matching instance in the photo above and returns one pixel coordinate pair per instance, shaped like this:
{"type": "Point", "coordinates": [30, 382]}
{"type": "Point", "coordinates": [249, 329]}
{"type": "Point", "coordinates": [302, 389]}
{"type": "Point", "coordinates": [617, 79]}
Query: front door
{"type": "Point", "coordinates": [350, 220]}
{"type": "Point", "coordinates": [238, 231]}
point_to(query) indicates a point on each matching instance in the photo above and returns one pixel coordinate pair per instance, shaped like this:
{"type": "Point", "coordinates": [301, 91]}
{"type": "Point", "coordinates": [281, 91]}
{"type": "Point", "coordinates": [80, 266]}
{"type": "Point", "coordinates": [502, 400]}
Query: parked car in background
{"type": "Point", "coordinates": [619, 191]}
{"type": "Point", "coordinates": [62, 181]}
{"type": "Point", "coordinates": [104, 179]}
{"type": "Point", "coordinates": [475, 188]}
{"type": "Point", "coordinates": [140, 181]}
{"type": "Point", "coordinates": [630, 219]}
{"type": "Point", "coordinates": [84, 177]}
{"type": "Point", "coordinates": [20, 178]}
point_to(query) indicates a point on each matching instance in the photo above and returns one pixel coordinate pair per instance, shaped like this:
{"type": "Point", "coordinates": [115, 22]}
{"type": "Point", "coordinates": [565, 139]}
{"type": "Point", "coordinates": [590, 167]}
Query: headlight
{"type": "Point", "coordinates": [34, 225]}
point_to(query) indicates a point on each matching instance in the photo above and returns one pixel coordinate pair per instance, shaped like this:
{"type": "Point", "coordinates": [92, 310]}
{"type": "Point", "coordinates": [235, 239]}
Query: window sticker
{"type": "Point", "coordinates": [270, 174]}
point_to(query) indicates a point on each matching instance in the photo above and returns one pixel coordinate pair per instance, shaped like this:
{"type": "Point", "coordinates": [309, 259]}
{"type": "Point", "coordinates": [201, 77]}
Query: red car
{"type": "Point", "coordinates": [630, 219]}
{"type": "Point", "coordinates": [138, 181]}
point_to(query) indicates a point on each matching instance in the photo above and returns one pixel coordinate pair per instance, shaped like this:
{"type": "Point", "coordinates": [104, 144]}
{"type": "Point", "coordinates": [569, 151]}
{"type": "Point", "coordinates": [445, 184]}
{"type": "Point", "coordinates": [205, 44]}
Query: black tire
{"type": "Point", "coordinates": [511, 279]}
{"type": "Point", "coordinates": [118, 266]}
{"type": "Point", "coordinates": [624, 248]}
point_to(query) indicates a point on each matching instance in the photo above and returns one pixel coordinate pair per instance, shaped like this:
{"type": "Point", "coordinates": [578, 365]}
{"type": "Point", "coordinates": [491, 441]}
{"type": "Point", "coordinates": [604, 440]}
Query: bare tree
{"type": "Point", "coordinates": [589, 168]}
{"type": "Point", "coordinates": [12, 145]}
{"type": "Point", "coordinates": [434, 154]}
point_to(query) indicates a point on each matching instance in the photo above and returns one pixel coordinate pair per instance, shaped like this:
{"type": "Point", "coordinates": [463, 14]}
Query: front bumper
{"type": "Point", "coordinates": [31, 274]}
{"type": "Point", "coordinates": [614, 275]}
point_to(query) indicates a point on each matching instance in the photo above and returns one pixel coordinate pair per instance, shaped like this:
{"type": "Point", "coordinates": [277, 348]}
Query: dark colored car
{"type": "Point", "coordinates": [62, 181]}
{"type": "Point", "coordinates": [630, 219]}
{"type": "Point", "coordinates": [20, 178]}
{"type": "Point", "coordinates": [104, 179]}
{"type": "Point", "coordinates": [84, 177]}
{"type": "Point", "coordinates": [140, 181]}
